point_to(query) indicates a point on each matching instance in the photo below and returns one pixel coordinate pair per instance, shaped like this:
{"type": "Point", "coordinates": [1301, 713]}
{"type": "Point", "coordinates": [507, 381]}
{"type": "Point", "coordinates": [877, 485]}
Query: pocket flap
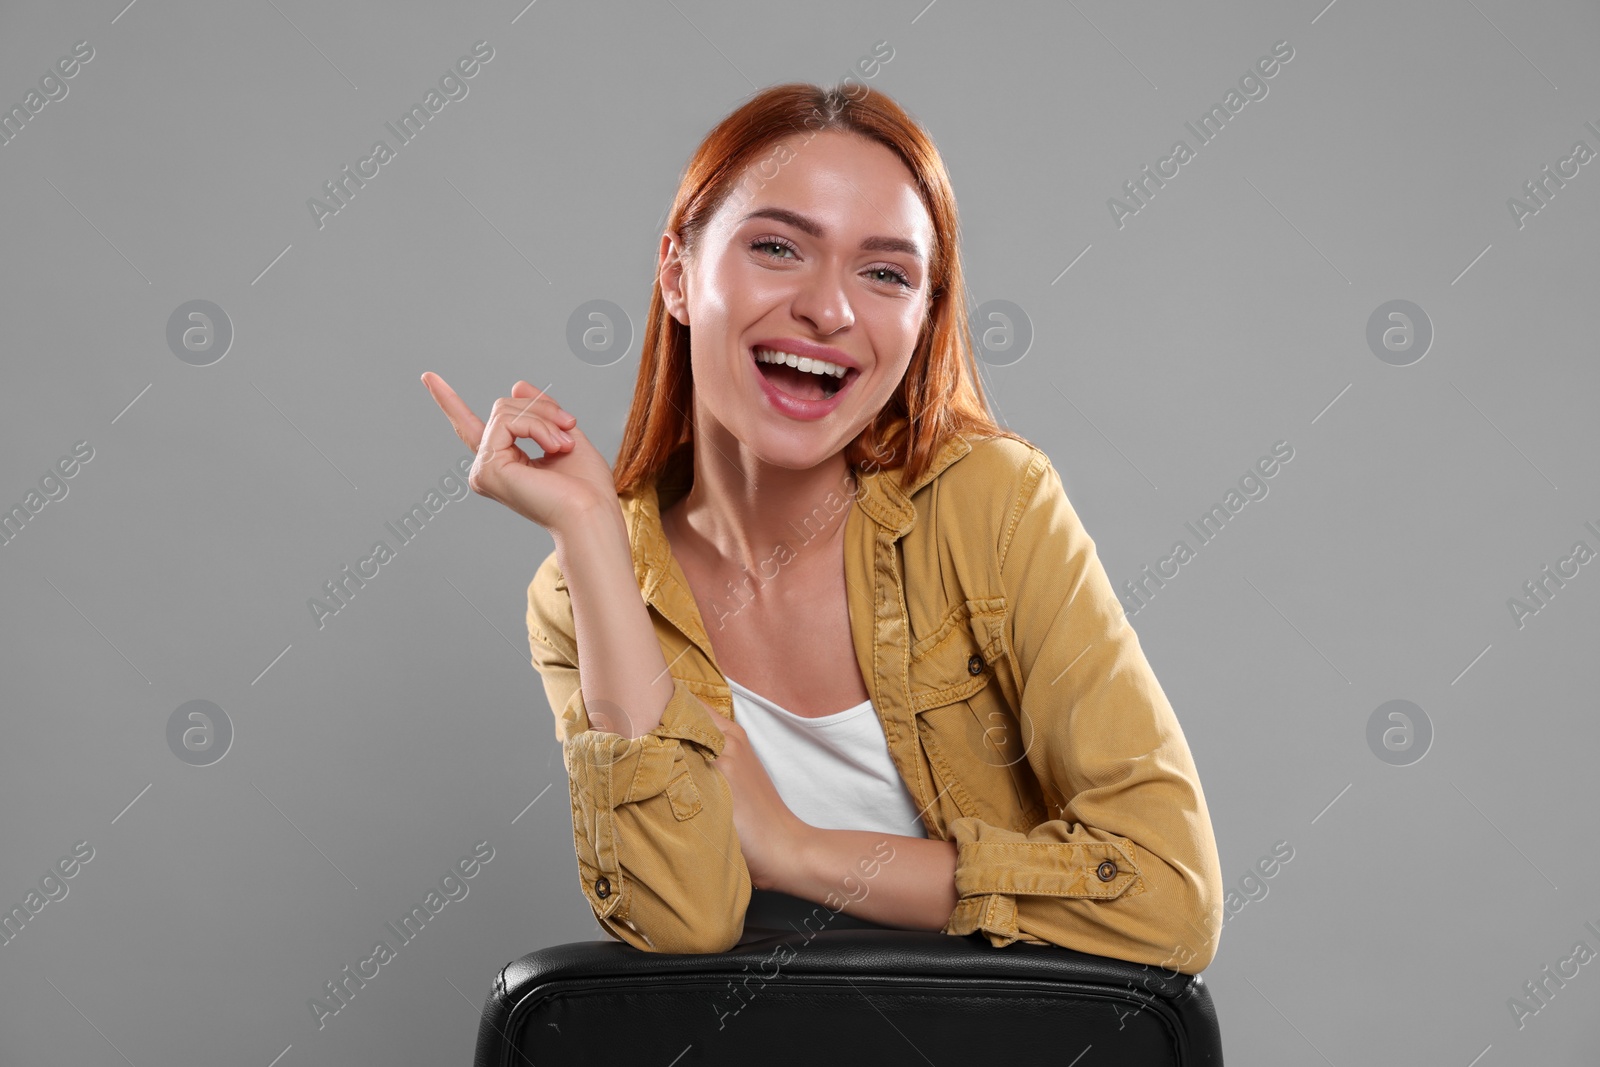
{"type": "Point", "coordinates": [681, 790]}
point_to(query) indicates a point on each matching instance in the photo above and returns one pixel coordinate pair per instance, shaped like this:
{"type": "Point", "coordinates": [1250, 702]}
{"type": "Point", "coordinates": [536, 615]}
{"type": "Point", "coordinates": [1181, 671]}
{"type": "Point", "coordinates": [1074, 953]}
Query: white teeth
{"type": "Point", "coordinates": [812, 366]}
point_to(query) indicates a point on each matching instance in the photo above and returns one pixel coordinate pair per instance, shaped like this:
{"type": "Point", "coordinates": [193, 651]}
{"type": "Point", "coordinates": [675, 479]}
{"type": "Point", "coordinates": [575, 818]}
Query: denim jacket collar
{"type": "Point", "coordinates": [880, 496]}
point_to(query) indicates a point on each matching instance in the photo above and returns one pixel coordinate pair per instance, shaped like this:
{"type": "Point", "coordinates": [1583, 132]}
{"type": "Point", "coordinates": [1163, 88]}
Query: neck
{"type": "Point", "coordinates": [743, 510]}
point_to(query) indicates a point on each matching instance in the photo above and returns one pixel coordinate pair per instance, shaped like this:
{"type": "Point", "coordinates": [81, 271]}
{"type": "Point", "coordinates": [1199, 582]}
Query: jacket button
{"type": "Point", "coordinates": [602, 888]}
{"type": "Point", "coordinates": [1107, 870]}
{"type": "Point", "coordinates": [975, 665]}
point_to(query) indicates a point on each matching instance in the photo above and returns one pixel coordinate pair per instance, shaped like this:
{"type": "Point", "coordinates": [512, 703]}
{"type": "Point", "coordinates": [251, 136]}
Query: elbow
{"type": "Point", "coordinates": [1179, 936]}
{"type": "Point", "coordinates": [1180, 916]}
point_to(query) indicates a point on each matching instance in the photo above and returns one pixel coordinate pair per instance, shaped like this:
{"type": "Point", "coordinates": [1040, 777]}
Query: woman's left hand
{"type": "Point", "coordinates": [770, 835]}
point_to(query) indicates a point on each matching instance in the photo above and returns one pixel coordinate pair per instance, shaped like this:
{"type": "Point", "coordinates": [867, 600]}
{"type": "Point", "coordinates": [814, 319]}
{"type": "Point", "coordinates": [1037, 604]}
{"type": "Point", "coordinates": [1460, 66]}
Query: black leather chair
{"type": "Point", "coordinates": [841, 992]}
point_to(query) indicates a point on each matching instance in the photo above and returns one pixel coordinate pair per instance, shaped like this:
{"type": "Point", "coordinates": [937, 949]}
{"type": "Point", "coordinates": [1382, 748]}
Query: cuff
{"type": "Point", "coordinates": [994, 915]}
{"type": "Point", "coordinates": [606, 771]}
{"type": "Point", "coordinates": [611, 769]}
{"type": "Point", "coordinates": [995, 866]}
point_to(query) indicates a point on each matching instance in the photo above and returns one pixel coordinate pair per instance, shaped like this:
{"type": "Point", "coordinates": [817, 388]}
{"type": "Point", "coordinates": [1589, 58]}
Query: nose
{"type": "Point", "coordinates": [823, 304]}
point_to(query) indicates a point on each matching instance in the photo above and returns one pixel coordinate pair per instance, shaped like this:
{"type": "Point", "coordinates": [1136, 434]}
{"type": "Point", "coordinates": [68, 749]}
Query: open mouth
{"type": "Point", "coordinates": [802, 379]}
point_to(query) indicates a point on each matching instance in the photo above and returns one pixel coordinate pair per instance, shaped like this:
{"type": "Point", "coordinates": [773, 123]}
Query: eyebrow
{"type": "Point", "coordinates": [812, 227]}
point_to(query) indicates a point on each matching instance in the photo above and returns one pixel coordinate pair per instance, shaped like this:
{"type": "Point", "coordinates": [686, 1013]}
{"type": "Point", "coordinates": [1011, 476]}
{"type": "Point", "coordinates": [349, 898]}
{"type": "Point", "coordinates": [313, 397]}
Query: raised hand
{"type": "Point", "coordinates": [554, 490]}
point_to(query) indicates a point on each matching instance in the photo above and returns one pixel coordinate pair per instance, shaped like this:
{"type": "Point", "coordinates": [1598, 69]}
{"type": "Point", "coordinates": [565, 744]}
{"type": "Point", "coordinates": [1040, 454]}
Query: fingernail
{"type": "Point", "coordinates": [562, 434]}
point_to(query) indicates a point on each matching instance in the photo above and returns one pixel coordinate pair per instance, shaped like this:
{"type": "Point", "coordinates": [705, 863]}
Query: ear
{"type": "Point", "coordinates": [670, 270]}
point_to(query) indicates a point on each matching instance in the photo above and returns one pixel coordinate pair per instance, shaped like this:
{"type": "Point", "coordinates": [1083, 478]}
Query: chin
{"type": "Point", "coordinates": [799, 448]}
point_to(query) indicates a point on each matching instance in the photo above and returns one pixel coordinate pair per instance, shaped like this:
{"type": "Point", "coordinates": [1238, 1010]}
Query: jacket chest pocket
{"type": "Point", "coordinates": [973, 739]}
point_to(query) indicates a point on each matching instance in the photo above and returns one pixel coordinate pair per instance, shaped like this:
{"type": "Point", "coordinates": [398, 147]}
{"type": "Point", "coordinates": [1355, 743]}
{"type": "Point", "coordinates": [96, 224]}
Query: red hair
{"type": "Point", "coordinates": [940, 394]}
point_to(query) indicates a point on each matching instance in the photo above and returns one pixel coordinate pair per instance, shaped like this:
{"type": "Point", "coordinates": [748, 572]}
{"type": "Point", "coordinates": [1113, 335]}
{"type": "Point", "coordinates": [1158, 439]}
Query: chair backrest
{"type": "Point", "coordinates": [843, 997]}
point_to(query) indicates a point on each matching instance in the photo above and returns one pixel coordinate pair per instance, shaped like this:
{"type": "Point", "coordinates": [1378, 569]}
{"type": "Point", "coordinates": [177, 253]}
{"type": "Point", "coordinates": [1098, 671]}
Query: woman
{"type": "Point", "coordinates": [812, 510]}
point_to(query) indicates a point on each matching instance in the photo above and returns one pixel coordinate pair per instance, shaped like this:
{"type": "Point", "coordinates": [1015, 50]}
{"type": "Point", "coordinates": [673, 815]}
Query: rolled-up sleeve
{"type": "Point", "coordinates": [1129, 866]}
{"type": "Point", "coordinates": [652, 819]}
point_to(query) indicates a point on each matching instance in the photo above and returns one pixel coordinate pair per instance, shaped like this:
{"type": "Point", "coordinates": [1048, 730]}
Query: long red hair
{"type": "Point", "coordinates": [940, 394]}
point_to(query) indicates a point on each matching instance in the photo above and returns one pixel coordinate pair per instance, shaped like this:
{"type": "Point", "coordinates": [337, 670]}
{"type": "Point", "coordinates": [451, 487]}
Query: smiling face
{"type": "Point", "coordinates": [827, 263]}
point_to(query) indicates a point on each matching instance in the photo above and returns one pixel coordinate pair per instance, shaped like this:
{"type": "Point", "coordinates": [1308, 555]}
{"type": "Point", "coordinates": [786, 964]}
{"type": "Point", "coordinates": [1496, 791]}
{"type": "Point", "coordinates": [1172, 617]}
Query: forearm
{"type": "Point", "coordinates": [621, 669]}
{"type": "Point", "coordinates": [890, 879]}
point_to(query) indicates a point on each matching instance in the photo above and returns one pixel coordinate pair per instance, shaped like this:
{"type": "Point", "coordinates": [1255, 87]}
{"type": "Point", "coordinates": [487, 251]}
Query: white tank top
{"type": "Point", "coordinates": [833, 772]}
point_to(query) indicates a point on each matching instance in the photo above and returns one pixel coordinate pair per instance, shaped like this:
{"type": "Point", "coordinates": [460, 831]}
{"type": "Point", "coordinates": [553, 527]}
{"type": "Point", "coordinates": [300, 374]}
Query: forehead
{"type": "Point", "coordinates": [848, 183]}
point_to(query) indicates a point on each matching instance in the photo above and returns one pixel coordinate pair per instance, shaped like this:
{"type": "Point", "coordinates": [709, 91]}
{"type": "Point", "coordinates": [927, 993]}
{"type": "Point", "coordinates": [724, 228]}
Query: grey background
{"type": "Point", "coordinates": [1230, 313]}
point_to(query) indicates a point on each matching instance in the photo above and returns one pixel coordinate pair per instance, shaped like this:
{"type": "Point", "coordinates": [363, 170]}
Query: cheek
{"type": "Point", "coordinates": [708, 299]}
{"type": "Point", "coordinates": [897, 336]}
{"type": "Point", "coordinates": [724, 302]}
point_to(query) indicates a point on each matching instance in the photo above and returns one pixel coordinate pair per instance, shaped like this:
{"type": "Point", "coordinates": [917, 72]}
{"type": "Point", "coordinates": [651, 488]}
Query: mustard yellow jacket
{"type": "Point", "coordinates": [1017, 703]}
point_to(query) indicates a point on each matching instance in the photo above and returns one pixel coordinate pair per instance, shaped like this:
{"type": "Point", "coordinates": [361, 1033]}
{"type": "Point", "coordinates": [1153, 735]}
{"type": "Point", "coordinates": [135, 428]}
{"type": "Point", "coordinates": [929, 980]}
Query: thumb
{"type": "Point", "coordinates": [523, 389]}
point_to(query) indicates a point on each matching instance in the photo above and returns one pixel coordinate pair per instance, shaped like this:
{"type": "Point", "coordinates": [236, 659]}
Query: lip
{"type": "Point", "coordinates": [792, 406]}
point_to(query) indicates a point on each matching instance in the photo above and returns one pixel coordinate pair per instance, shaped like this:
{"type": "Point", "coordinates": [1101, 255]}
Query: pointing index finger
{"type": "Point", "coordinates": [468, 426]}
